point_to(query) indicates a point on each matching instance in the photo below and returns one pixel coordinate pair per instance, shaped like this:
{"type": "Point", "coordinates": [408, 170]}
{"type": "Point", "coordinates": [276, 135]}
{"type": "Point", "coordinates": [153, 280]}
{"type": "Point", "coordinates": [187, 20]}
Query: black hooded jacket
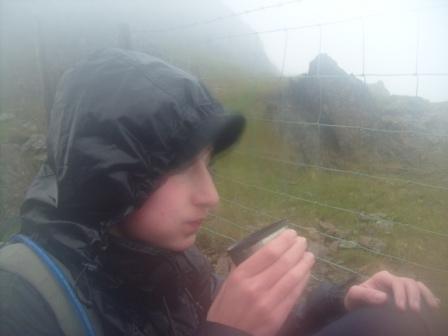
{"type": "Point", "coordinates": [120, 121]}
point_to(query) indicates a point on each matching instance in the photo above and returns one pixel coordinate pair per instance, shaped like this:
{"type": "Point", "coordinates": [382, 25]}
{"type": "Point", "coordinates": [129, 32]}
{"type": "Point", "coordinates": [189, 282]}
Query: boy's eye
{"type": "Point", "coordinates": [211, 168]}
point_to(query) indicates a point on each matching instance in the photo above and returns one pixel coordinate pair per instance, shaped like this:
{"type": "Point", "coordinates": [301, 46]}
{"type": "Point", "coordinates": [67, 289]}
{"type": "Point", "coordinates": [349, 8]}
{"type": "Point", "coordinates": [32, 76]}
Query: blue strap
{"type": "Point", "coordinates": [60, 277]}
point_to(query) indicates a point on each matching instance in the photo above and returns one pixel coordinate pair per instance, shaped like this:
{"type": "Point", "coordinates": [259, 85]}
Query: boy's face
{"type": "Point", "coordinates": [172, 215]}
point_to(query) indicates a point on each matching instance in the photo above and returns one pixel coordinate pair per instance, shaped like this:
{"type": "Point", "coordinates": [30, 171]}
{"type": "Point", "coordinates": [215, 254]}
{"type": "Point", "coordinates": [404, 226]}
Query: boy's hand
{"type": "Point", "coordinates": [407, 293]}
{"type": "Point", "coordinates": [258, 294]}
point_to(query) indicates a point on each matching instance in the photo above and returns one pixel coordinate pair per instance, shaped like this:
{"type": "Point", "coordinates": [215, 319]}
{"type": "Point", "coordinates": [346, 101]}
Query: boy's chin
{"type": "Point", "coordinates": [184, 243]}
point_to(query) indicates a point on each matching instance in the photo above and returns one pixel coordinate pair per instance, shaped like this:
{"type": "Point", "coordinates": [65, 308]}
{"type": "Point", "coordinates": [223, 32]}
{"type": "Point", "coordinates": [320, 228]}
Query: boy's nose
{"type": "Point", "coordinates": [206, 194]}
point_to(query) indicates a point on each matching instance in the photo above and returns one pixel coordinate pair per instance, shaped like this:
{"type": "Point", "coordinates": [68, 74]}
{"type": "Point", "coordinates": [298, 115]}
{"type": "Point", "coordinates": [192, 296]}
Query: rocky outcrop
{"type": "Point", "coordinates": [342, 119]}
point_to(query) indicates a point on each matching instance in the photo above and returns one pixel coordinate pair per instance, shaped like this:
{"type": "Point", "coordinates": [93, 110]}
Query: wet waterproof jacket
{"type": "Point", "coordinates": [120, 121]}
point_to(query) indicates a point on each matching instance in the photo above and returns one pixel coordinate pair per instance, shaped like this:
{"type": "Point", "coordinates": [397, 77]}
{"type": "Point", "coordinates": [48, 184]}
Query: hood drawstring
{"type": "Point", "coordinates": [106, 225]}
{"type": "Point", "coordinates": [170, 318]}
{"type": "Point", "coordinates": [103, 234]}
{"type": "Point", "coordinates": [85, 298]}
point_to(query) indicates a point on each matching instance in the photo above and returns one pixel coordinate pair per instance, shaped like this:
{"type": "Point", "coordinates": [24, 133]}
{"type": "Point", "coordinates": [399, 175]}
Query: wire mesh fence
{"type": "Point", "coordinates": [230, 223]}
{"type": "Point", "coordinates": [360, 212]}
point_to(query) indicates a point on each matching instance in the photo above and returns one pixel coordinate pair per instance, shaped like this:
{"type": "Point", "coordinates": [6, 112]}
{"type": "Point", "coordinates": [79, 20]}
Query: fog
{"type": "Point", "coordinates": [392, 30]}
{"type": "Point", "coordinates": [389, 41]}
{"type": "Point", "coordinates": [341, 158]}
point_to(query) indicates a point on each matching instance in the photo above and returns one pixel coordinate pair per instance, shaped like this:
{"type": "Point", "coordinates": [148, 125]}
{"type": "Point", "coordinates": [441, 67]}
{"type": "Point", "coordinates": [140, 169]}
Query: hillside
{"type": "Point", "coordinates": [361, 123]}
{"type": "Point", "coordinates": [40, 40]}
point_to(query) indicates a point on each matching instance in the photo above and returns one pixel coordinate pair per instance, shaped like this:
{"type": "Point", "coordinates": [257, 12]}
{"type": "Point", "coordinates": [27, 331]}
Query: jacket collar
{"type": "Point", "coordinates": [154, 270]}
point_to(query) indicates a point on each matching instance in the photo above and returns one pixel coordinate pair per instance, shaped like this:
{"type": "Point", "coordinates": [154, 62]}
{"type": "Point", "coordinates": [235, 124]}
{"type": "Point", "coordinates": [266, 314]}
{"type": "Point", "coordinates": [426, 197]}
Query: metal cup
{"type": "Point", "coordinates": [244, 248]}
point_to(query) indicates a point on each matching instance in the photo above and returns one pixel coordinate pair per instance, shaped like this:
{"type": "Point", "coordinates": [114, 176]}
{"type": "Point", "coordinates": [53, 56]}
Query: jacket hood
{"type": "Point", "coordinates": [120, 120]}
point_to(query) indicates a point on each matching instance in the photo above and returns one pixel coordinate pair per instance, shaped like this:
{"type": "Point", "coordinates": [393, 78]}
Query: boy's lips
{"type": "Point", "coordinates": [196, 223]}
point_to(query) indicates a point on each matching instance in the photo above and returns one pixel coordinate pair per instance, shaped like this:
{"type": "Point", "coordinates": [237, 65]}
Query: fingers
{"type": "Point", "coordinates": [360, 295]}
{"type": "Point", "coordinates": [405, 290]}
{"type": "Point", "coordinates": [285, 286]}
{"type": "Point", "coordinates": [283, 265]}
{"type": "Point", "coordinates": [429, 297]}
{"type": "Point", "coordinates": [268, 254]}
{"type": "Point", "coordinates": [399, 295]}
{"type": "Point", "coordinates": [288, 303]}
{"type": "Point", "coordinates": [413, 294]}
{"type": "Point", "coordinates": [270, 294]}
{"type": "Point", "coordinates": [382, 280]}
{"type": "Point", "coordinates": [407, 293]}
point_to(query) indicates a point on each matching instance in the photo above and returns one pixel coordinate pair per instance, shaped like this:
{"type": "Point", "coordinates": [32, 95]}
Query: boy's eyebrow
{"type": "Point", "coordinates": [207, 152]}
{"type": "Point", "coordinates": [207, 158]}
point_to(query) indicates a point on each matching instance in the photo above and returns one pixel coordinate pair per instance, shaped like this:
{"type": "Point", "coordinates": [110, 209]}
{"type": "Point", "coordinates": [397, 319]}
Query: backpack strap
{"type": "Point", "coordinates": [24, 257]}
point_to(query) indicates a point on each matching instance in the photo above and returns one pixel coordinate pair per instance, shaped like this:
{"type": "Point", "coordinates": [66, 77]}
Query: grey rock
{"type": "Point", "coordinates": [331, 229]}
{"type": "Point", "coordinates": [15, 178]}
{"type": "Point", "coordinates": [6, 116]}
{"type": "Point", "coordinates": [36, 143]}
{"type": "Point", "coordinates": [372, 243]}
{"type": "Point", "coordinates": [328, 94]}
{"type": "Point", "coordinates": [333, 247]}
{"type": "Point", "coordinates": [328, 227]}
{"type": "Point", "coordinates": [385, 225]}
{"type": "Point", "coordinates": [29, 126]}
{"type": "Point", "coordinates": [372, 217]}
{"type": "Point", "coordinates": [379, 220]}
{"type": "Point", "coordinates": [347, 244]}
{"type": "Point", "coordinates": [317, 249]}
{"type": "Point", "coordinates": [314, 234]}
{"type": "Point", "coordinates": [223, 265]}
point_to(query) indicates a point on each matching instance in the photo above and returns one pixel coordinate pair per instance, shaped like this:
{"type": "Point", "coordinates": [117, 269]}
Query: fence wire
{"type": "Point", "coordinates": [359, 18]}
{"type": "Point", "coordinates": [357, 244]}
{"type": "Point", "coordinates": [357, 213]}
{"type": "Point", "coordinates": [319, 125]}
{"type": "Point", "coordinates": [272, 158]}
{"type": "Point", "coordinates": [218, 18]}
{"type": "Point", "coordinates": [313, 276]}
{"type": "Point", "coordinates": [355, 127]}
{"type": "Point", "coordinates": [319, 259]}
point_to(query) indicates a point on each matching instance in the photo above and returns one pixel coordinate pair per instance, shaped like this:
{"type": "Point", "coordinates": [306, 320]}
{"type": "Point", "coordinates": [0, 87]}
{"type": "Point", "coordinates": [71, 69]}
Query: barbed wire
{"type": "Point", "coordinates": [233, 240]}
{"type": "Point", "coordinates": [218, 18]}
{"type": "Point", "coordinates": [363, 75]}
{"type": "Point", "coordinates": [327, 23]}
{"type": "Point", "coordinates": [361, 128]}
{"type": "Point", "coordinates": [417, 49]}
{"type": "Point", "coordinates": [340, 171]}
{"type": "Point", "coordinates": [333, 207]}
{"type": "Point", "coordinates": [342, 267]}
{"type": "Point", "coordinates": [220, 234]}
{"type": "Point", "coordinates": [232, 223]}
{"type": "Point", "coordinates": [320, 259]}
{"type": "Point", "coordinates": [276, 77]}
{"type": "Point", "coordinates": [357, 244]}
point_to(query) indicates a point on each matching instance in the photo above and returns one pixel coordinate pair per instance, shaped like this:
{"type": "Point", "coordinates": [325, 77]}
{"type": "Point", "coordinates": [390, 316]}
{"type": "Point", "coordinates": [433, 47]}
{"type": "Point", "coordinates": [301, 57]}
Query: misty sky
{"type": "Point", "coordinates": [389, 41]}
{"type": "Point", "coordinates": [390, 38]}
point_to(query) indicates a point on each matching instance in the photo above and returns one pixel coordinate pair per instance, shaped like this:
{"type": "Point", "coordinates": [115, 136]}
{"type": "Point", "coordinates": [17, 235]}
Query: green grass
{"type": "Point", "coordinates": [280, 190]}
{"type": "Point", "coordinates": [4, 127]}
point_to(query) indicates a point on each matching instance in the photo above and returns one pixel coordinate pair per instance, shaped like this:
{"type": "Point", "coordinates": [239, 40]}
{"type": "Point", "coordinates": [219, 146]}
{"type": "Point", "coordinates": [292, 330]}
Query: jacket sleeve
{"type": "Point", "coordinates": [209, 328]}
{"type": "Point", "coordinates": [203, 283]}
{"type": "Point", "coordinates": [23, 311]}
{"type": "Point", "coordinates": [320, 307]}
{"type": "Point", "coordinates": [323, 305]}
{"type": "Point", "coordinates": [206, 292]}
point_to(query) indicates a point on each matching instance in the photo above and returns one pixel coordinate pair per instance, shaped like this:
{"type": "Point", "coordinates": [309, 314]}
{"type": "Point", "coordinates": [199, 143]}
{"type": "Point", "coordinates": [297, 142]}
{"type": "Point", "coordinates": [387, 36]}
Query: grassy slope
{"type": "Point", "coordinates": [405, 203]}
{"type": "Point", "coordinates": [420, 206]}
